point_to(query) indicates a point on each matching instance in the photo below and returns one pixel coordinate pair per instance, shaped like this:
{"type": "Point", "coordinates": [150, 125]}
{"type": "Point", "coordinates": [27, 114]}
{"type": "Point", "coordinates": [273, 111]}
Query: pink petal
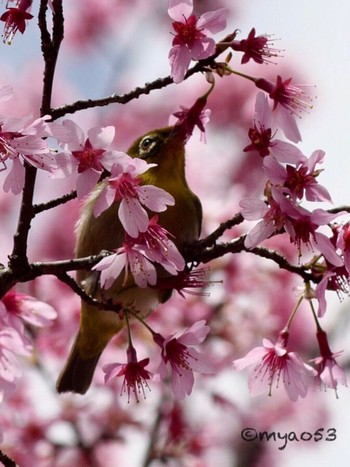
{"type": "Point", "coordinates": [133, 216]}
{"type": "Point", "coordinates": [213, 21]}
{"type": "Point", "coordinates": [275, 171]}
{"type": "Point", "coordinates": [86, 181]}
{"type": "Point", "coordinates": [321, 217]}
{"type": "Point", "coordinates": [104, 201]}
{"type": "Point", "coordinates": [253, 356]}
{"type": "Point", "coordinates": [180, 58]}
{"type": "Point", "coordinates": [182, 384]}
{"type": "Point", "coordinates": [253, 208]}
{"type": "Point", "coordinates": [143, 271]}
{"type": "Point", "coordinates": [111, 370]}
{"type": "Point", "coordinates": [36, 312]}
{"type": "Point", "coordinates": [262, 111]}
{"type": "Point", "coordinates": [320, 294]}
{"type": "Point", "coordinates": [202, 48]}
{"type": "Point", "coordinates": [76, 137]}
{"type": "Point", "coordinates": [317, 157]}
{"type": "Point", "coordinates": [200, 362]}
{"type": "Point", "coordinates": [178, 9]}
{"type": "Point", "coordinates": [101, 137]}
{"type": "Point", "coordinates": [325, 246]}
{"type": "Point", "coordinates": [286, 152]}
{"type": "Point", "coordinates": [154, 198]}
{"type": "Point", "coordinates": [14, 181]}
{"type": "Point", "coordinates": [259, 233]}
{"type": "Point", "coordinates": [287, 122]}
{"type": "Point", "coordinates": [110, 268]}
{"type": "Point", "coordinates": [317, 192]}
{"type": "Point", "coordinates": [195, 334]}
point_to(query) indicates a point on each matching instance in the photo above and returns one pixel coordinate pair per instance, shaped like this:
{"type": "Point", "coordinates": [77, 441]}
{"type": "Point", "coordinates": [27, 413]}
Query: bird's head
{"type": "Point", "coordinates": [164, 147]}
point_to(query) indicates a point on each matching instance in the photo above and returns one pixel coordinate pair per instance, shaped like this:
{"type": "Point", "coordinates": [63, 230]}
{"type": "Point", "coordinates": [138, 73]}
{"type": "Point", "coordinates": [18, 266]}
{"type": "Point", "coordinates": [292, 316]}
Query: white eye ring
{"type": "Point", "coordinates": [147, 146]}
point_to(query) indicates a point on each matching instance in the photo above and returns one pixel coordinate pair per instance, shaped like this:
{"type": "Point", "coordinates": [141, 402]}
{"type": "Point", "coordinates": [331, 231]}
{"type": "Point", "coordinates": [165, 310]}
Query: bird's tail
{"type": "Point", "coordinates": [77, 373]}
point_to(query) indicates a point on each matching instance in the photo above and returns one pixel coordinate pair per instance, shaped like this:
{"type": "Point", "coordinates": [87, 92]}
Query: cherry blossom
{"type": "Point", "coordinates": [255, 48]}
{"type": "Point", "coordinates": [299, 180]}
{"type": "Point", "coordinates": [89, 156]}
{"type": "Point", "coordinates": [262, 135]}
{"type": "Point", "coordinates": [20, 306]}
{"type": "Point", "coordinates": [192, 41]}
{"type": "Point", "coordinates": [289, 100]}
{"type": "Point", "coordinates": [129, 256]}
{"type": "Point", "coordinates": [275, 363]}
{"type": "Point", "coordinates": [183, 359]}
{"type": "Point", "coordinates": [271, 215]}
{"type": "Point", "coordinates": [329, 373]}
{"type": "Point", "coordinates": [15, 19]}
{"type": "Point", "coordinates": [302, 226]}
{"type": "Point", "coordinates": [124, 184]}
{"type": "Point", "coordinates": [190, 117]}
{"type": "Point", "coordinates": [138, 255]}
{"type": "Point", "coordinates": [134, 372]}
{"type": "Point", "coordinates": [335, 279]}
{"type": "Point", "coordinates": [158, 247]}
{"type": "Point", "coordinates": [22, 141]}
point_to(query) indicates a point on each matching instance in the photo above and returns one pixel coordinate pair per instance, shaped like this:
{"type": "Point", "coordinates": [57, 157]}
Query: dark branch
{"type": "Point", "coordinates": [38, 208]}
{"type": "Point", "coordinates": [200, 67]}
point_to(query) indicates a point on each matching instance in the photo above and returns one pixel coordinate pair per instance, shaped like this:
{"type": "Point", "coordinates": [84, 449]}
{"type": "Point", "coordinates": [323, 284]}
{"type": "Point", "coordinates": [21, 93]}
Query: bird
{"type": "Point", "coordinates": [164, 147]}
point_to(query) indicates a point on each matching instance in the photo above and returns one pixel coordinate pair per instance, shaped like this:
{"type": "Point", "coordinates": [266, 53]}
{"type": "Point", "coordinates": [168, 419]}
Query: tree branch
{"type": "Point", "coordinates": [38, 208]}
{"type": "Point", "coordinates": [200, 66]}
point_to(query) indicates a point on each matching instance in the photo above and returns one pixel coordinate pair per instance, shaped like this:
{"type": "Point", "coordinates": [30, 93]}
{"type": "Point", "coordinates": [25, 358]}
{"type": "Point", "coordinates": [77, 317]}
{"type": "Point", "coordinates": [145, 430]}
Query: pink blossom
{"type": "Point", "coordinates": [289, 100]}
{"type": "Point", "coordinates": [191, 41]}
{"type": "Point", "coordinates": [299, 180]}
{"type": "Point", "coordinates": [271, 215]}
{"type": "Point", "coordinates": [189, 118]}
{"type": "Point", "coordinates": [255, 47]}
{"type": "Point", "coordinates": [329, 373]}
{"type": "Point", "coordinates": [129, 256]}
{"type": "Point", "coordinates": [15, 19]}
{"type": "Point", "coordinates": [183, 360]}
{"type": "Point", "coordinates": [335, 279]}
{"type": "Point", "coordinates": [124, 184]}
{"type": "Point", "coordinates": [158, 247]}
{"type": "Point", "coordinates": [22, 141]}
{"type": "Point", "coordinates": [274, 362]}
{"type": "Point", "coordinates": [138, 255]}
{"type": "Point", "coordinates": [134, 372]}
{"type": "Point", "coordinates": [88, 156]}
{"type": "Point", "coordinates": [262, 135]}
{"type": "Point", "coordinates": [302, 226]}
{"type": "Point", "coordinates": [20, 306]}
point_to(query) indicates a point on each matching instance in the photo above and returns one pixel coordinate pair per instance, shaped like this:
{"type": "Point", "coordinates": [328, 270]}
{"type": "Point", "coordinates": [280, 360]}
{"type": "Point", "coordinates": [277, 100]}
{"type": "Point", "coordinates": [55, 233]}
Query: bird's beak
{"type": "Point", "coordinates": [178, 134]}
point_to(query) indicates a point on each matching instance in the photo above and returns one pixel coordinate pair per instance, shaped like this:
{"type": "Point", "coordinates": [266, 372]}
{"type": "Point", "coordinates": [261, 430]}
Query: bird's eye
{"type": "Point", "coordinates": [147, 146]}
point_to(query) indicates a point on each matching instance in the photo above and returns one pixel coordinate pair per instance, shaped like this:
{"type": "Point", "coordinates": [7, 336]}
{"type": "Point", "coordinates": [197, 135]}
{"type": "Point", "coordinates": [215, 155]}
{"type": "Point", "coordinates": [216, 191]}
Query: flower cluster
{"type": "Point", "coordinates": [291, 177]}
{"type": "Point", "coordinates": [192, 39]}
{"type": "Point", "coordinates": [177, 356]}
{"type": "Point", "coordinates": [274, 363]}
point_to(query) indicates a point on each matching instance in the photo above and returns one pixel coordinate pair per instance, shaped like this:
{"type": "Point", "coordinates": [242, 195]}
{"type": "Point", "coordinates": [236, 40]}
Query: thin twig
{"type": "Point", "coordinates": [160, 83]}
{"type": "Point", "coordinates": [38, 208]}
